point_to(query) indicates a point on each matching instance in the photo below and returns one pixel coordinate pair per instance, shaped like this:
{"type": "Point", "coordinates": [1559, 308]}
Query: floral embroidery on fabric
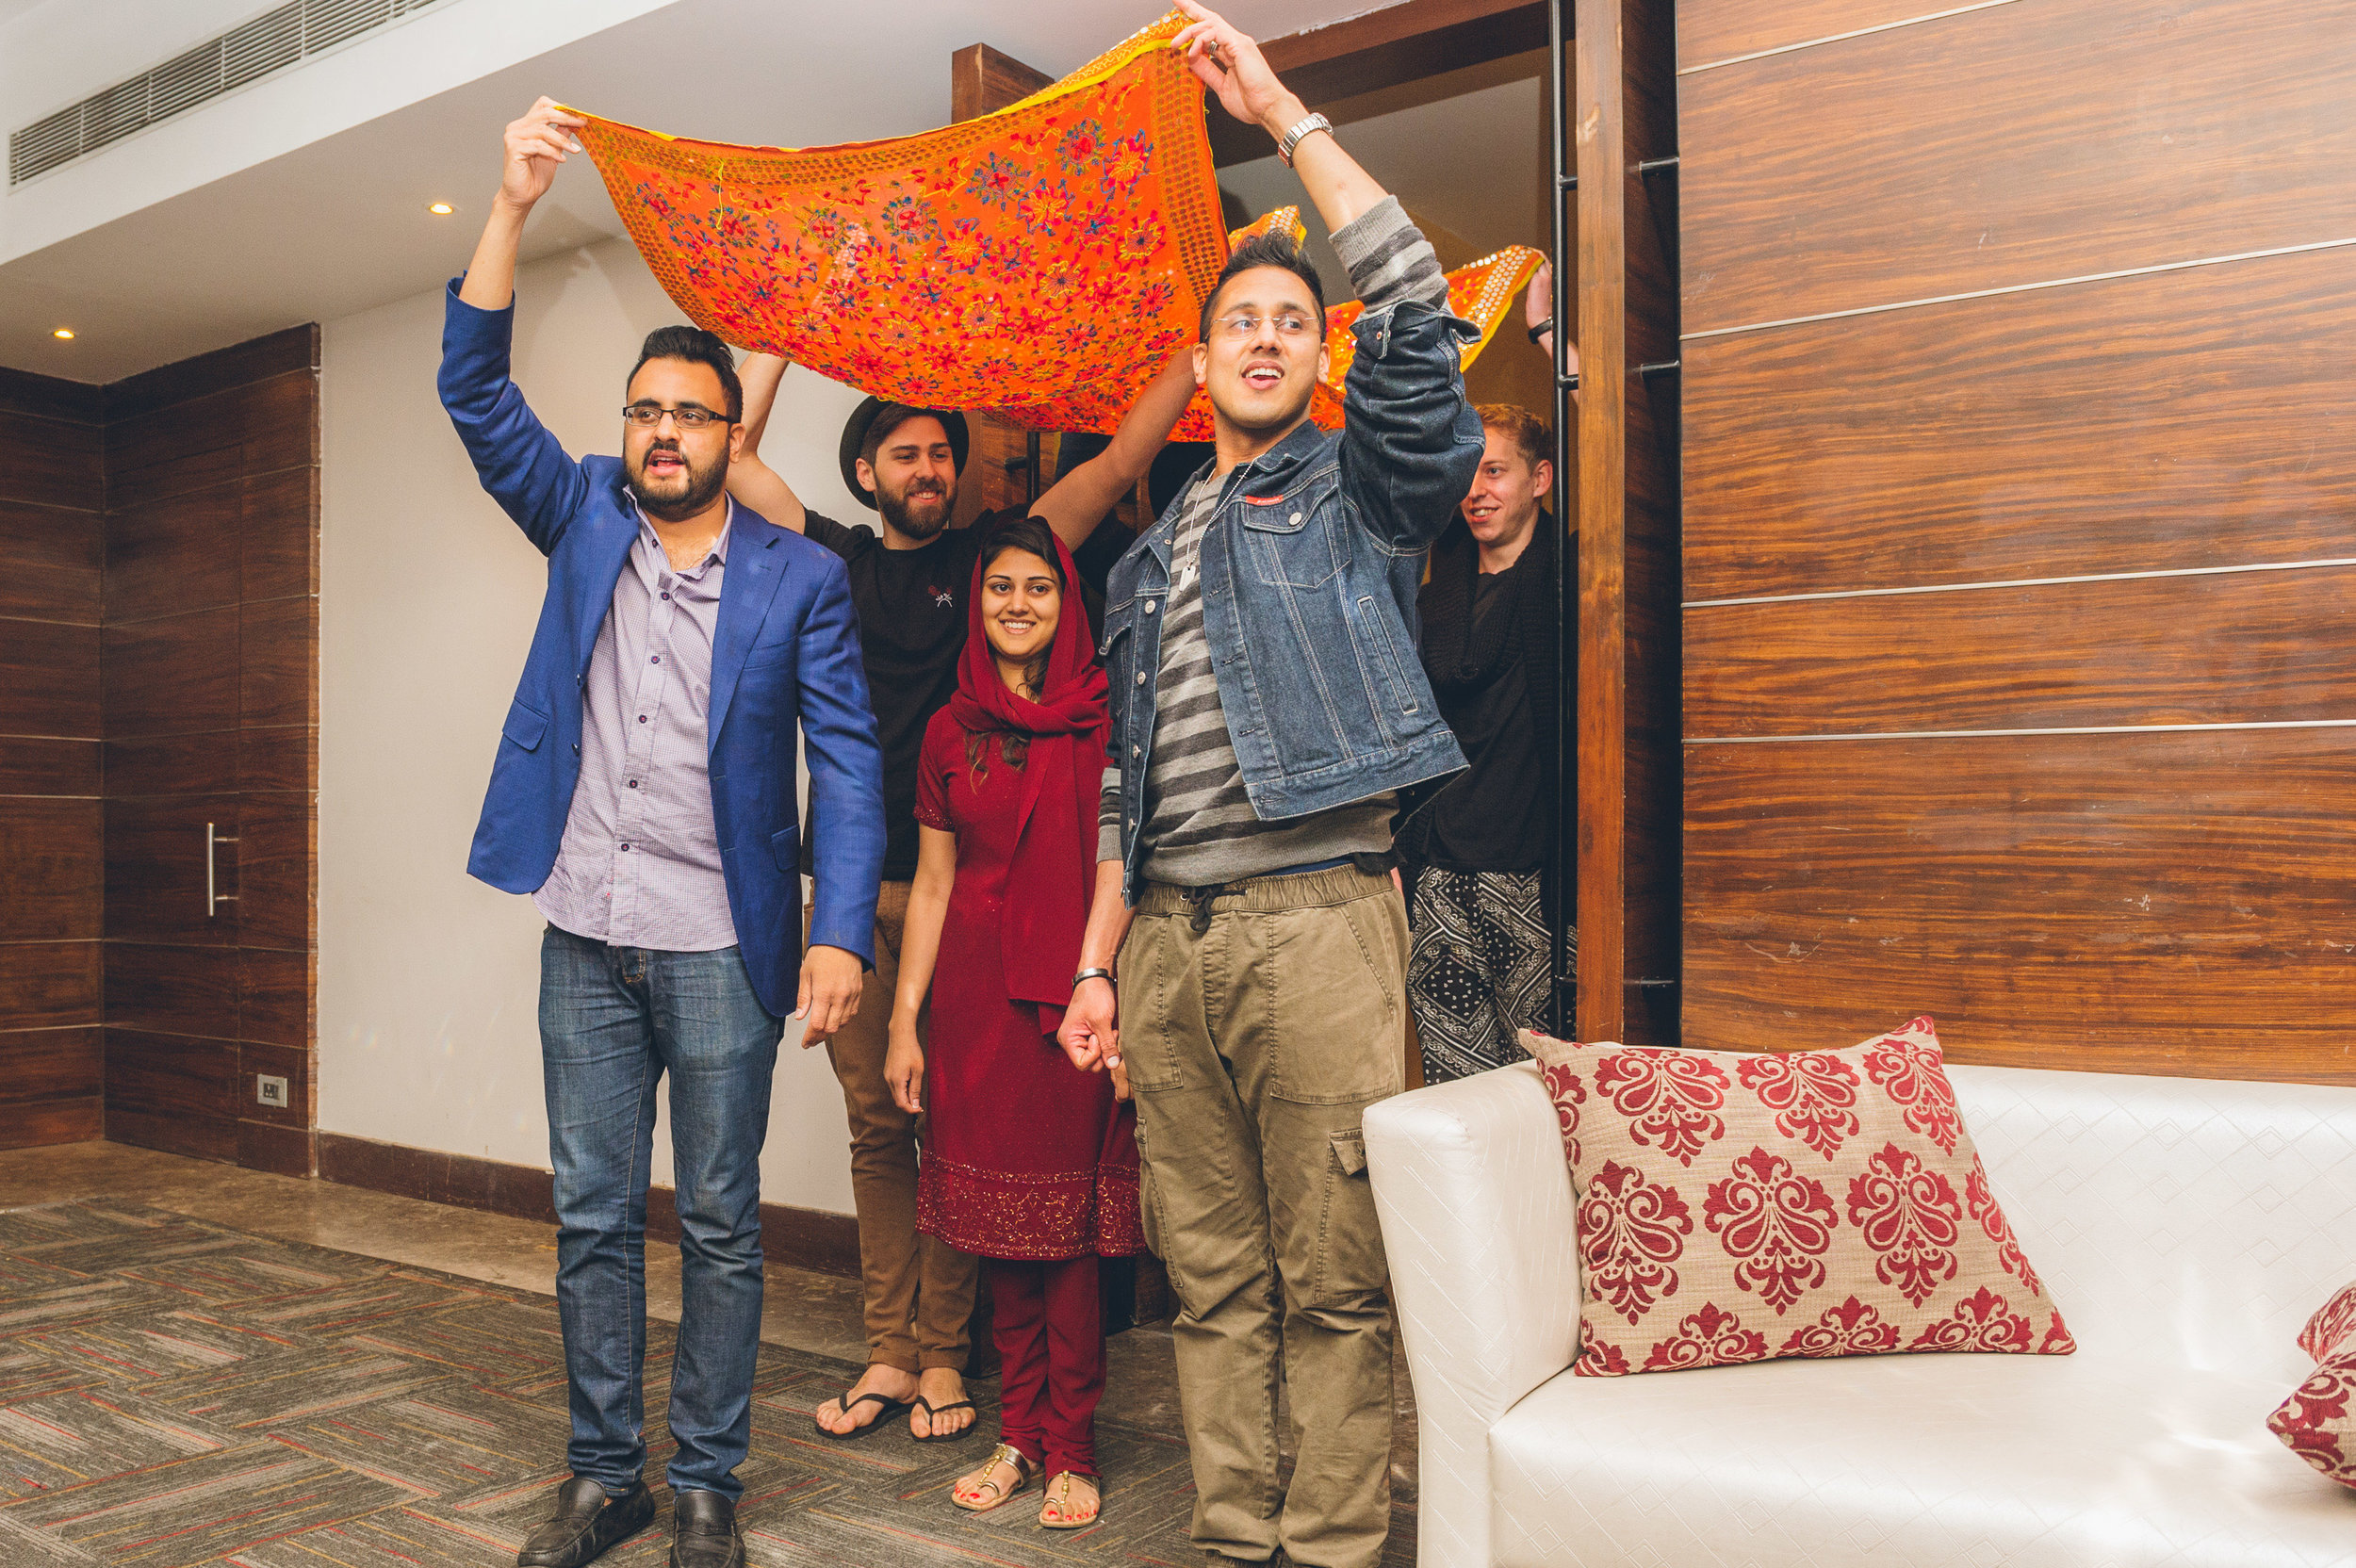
{"type": "Point", "coordinates": [1982, 1321]}
{"type": "Point", "coordinates": [1568, 1094]}
{"type": "Point", "coordinates": [1850, 1329]}
{"type": "Point", "coordinates": [1711, 1337]}
{"type": "Point", "coordinates": [1629, 1232]}
{"type": "Point", "coordinates": [1812, 1093]}
{"type": "Point", "coordinates": [1040, 262]}
{"type": "Point", "coordinates": [1670, 1099]}
{"type": "Point", "coordinates": [1909, 1217]}
{"type": "Point", "coordinates": [1980, 1201]}
{"type": "Point", "coordinates": [1911, 1072]}
{"type": "Point", "coordinates": [1777, 1224]}
{"type": "Point", "coordinates": [2315, 1422]}
{"type": "Point", "coordinates": [2328, 1329]}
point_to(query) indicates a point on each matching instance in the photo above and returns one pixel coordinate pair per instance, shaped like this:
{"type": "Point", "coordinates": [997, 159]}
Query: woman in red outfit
{"type": "Point", "coordinates": [1028, 1161]}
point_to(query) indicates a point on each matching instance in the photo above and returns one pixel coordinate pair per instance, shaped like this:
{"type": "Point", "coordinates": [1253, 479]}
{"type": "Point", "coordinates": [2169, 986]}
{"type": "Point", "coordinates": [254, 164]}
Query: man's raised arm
{"type": "Point", "coordinates": [752, 481]}
{"type": "Point", "coordinates": [522, 466]}
{"type": "Point", "coordinates": [1076, 503]}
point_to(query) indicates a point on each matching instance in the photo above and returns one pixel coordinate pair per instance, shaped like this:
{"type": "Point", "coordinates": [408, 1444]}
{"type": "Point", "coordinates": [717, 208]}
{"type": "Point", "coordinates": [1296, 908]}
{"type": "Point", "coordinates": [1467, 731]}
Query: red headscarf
{"type": "Point", "coordinates": [1051, 877]}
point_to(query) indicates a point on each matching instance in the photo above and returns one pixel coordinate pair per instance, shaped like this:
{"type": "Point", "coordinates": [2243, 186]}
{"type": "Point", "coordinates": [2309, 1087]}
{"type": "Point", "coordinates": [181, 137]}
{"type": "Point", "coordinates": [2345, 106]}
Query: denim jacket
{"type": "Point", "coordinates": [1310, 570]}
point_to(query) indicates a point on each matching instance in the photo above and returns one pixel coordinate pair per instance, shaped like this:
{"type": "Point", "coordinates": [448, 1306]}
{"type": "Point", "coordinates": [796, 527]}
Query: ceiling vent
{"type": "Point", "coordinates": [272, 42]}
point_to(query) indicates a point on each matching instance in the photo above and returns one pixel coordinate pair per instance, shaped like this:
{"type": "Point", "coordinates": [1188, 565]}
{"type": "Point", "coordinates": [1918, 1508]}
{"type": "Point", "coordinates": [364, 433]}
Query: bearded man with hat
{"type": "Point", "coordinates": [910, 582]}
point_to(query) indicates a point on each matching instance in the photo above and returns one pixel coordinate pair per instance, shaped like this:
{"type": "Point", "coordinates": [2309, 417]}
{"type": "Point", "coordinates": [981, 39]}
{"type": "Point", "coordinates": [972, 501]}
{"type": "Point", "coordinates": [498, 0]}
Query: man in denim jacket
{"type": "Point", "coordinates": [1267, 706]}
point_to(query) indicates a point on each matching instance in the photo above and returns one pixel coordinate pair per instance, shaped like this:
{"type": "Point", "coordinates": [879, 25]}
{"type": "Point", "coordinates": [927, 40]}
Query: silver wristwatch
{"type": "Point", "coordinates": [1291, 139]}
{"type": "Point", "coordinates": [1103, 974]}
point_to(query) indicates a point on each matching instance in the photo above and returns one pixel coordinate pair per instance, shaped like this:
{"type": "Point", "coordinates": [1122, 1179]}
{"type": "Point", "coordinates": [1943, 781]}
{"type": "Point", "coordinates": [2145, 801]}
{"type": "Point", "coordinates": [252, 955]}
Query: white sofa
{"type": "Point", "coordinates": [2186, 1227]}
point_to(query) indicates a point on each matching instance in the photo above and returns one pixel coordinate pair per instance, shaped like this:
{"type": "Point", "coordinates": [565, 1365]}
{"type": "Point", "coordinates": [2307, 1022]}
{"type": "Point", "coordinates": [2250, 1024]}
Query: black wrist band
{"type": "Point", "coordinates": [1539, 331]}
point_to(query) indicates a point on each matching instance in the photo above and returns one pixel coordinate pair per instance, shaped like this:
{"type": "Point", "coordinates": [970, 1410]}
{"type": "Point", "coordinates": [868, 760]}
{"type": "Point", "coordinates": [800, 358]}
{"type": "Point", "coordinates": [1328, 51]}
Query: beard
{"type": "Point", "coordinates": [675, 500]}
{"type": "Point", "coordinates": [919, 512]}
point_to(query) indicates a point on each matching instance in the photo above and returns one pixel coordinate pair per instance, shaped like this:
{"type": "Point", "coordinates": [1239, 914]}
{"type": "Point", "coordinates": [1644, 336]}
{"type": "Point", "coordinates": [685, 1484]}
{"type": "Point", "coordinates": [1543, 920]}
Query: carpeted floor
{"type": "Point", "coordinates": [174, 1393]}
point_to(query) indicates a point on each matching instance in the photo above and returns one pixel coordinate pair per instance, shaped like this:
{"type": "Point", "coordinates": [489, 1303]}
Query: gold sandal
{"type": "Point", "coordinates": [1062, 1500]}
{"type": "Point", "coordinates": [1012, 1459]}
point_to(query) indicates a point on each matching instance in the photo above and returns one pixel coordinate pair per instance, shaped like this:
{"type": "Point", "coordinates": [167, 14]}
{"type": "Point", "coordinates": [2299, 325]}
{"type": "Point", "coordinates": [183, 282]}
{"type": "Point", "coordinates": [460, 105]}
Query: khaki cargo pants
{"type": "Point", "coordinates": [1257, 1026]}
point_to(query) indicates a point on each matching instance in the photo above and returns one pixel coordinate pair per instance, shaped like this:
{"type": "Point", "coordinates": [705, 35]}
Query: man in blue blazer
{"type": "Point", "coordinates": [644, 794]}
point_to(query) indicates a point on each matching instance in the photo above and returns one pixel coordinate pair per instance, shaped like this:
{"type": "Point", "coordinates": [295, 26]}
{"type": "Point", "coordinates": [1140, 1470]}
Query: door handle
{"type": "Point", "coordinates": [214, 898]}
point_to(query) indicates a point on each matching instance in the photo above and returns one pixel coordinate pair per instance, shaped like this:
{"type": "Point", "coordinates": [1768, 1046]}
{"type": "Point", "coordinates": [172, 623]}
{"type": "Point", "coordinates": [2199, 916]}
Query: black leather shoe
{"type": "Point", "coordinates": [588, 1522]}
{"type": "Point", "coordinates": [703, 1531]}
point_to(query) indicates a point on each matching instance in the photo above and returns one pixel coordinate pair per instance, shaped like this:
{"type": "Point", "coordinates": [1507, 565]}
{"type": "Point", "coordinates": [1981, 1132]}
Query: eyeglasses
{"type": "Point", "coordinates": [1288, 325]}
{"type": "Point", "coordinates": [651, 415]}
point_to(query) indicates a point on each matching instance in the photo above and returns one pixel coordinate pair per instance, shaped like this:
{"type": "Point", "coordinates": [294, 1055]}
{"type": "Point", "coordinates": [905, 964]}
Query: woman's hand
{"type": "Point", "coordinates": [903, 1067]}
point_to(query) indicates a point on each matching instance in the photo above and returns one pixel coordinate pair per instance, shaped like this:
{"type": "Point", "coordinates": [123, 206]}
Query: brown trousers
{"type": "Point", "coordinates": [1257, 1028]}
{"type": "Point", "coordinates": [919, 1290]}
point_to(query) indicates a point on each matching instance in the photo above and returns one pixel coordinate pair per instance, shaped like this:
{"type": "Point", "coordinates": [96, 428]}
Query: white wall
{"type": "Point", "coordinates": [427, 979]}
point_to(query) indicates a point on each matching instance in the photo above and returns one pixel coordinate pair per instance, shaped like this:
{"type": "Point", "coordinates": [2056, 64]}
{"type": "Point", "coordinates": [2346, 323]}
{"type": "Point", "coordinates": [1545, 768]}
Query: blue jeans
{"type": "Point", "coordinates": [613, 1022]}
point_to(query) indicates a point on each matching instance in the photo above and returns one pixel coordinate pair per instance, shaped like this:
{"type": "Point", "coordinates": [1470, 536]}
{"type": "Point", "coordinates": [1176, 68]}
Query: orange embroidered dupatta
{"type": "Point", "coordinates": [1040, 263]}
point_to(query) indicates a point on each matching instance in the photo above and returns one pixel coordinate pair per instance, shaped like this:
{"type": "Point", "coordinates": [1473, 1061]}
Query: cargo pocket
{"type": "Point", "coordinates": [1149, 1202]}
{"type": "Point", "coordinates": [1352, 1271]}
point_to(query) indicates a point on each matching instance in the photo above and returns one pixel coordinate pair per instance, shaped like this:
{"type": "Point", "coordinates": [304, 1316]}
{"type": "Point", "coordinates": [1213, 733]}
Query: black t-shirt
{"type": "Point", "coordinates": [1490, 818]}
{"type": "Point", "coordinates": [911, 609]}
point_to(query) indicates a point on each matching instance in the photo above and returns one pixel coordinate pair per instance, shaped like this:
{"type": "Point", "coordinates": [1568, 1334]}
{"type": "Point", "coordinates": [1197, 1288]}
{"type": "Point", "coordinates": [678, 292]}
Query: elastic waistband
{"type": "Point", "coordinates": [1304, 888]}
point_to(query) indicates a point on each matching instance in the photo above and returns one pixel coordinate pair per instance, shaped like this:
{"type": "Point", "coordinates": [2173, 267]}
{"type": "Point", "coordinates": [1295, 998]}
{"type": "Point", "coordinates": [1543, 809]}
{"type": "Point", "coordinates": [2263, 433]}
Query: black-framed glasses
{"type": "Point", "coordinates": [688, 418]}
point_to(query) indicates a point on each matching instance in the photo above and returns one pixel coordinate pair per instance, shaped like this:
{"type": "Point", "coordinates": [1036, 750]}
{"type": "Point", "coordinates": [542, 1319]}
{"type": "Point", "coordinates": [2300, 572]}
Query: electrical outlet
{"type": "Point", "coordinates": [269, 1090]}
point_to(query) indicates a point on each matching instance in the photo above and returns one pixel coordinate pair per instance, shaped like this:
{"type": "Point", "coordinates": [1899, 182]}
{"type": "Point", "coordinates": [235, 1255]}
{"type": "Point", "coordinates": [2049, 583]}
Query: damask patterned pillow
{"type": "Point", "coordinates": [2316, 1422]}
{"type": "Point", "coordinates": [2332, 1328]}
{"type": "Point", "coordinates": [1736, 1208]}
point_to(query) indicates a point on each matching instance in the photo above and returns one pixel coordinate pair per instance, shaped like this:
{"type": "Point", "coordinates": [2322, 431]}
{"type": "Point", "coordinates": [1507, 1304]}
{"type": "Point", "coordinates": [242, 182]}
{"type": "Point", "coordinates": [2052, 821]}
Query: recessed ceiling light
{"type": "Point", "coordinates": [440, 209]}
{"type": "Point", "coordinates": [65, 334]}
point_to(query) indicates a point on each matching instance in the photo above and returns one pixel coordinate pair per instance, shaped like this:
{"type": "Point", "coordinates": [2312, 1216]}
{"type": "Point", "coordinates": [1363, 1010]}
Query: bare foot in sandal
{"type": "Point", "coordinates": [854, 1410]}
{"type": "Point", "coordinates": [1072, 1502]}
{"type": "Point", "coordinates": [1002, 1476]}
{"type": "Point", "coordinates": [941, 1412]}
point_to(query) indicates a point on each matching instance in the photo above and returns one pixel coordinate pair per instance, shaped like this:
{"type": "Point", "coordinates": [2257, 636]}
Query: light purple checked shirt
{"type": "Point", "coordinates": [640, 864]}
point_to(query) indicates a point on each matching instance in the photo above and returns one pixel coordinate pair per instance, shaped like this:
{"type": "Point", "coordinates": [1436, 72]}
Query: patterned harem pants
{"type": "Point", "coordinates": [1476, 969]}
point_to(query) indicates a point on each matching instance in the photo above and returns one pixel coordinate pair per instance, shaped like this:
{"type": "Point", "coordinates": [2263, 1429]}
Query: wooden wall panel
{"type": "Point", "coordinates": [172, 1092]}
{"type": "Point", "coordinates": [173, 990]}
{"type": "Point", "coordinates": [52, 595]}
{"type": "Point", "coordinates": [48, 461]}
{"type": "Point", "coordinates": [54, 1082]}
{"type": "Point", "coordinates": [2237, 647]}
{"type": "Point", "coordinates": [1713, 31]}
{"type": "Point", "coordinates": [38, 765]}
{"type": "Point", "coordinates": [2152, 903]}
{"type": "Point", "coordinates": [46, 680]}
{"type": "Point", "coordinates": [51, 851]}
{"type": "Point", "coordinates": [171, 556]}
{"type": "Point", "coordinates": [51, 984]}
{"type": "Point", "coordinates": [2141, 424]}
{"type": "Point", "coordinates": [174, 676]}
{"type": "Point", "coordinates": [211, 717]}
{"type": "Point", "coordinates": [51, 560]}
{"type": "Point", "coordinates": [2014, 145]}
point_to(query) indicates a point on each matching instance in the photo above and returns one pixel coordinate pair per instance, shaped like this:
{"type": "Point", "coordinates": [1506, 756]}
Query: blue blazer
{"type": "Point", "coordinates": [785, 657]}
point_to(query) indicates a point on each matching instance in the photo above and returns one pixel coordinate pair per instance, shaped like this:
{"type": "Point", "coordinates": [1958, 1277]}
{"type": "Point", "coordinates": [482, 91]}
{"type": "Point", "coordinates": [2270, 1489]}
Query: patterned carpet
{"type": "Point", "coordinates": [176, 1392]}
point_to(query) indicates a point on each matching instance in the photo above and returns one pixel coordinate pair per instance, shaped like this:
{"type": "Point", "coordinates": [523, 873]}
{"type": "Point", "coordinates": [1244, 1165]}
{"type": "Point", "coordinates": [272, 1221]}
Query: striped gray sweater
{"type": "Point", "coordinates": [1199, 825]}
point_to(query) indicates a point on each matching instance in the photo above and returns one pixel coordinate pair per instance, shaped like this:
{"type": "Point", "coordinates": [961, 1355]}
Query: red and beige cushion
{"type": "Point", "coordinates": [2316, 1422]}
{"type": "Point", "coordinates": [1737, 1208]}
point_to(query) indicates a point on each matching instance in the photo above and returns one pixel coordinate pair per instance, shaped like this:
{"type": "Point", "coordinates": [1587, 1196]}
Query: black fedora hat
{"type": "Point", "coordinates": [854, 437]}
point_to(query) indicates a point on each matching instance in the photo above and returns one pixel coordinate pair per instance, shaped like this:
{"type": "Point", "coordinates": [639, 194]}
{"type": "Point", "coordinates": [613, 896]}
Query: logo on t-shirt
{"type": "Point", "coordinates": [940, 595]}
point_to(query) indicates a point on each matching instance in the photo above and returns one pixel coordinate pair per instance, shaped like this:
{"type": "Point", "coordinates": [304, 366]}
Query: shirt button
{"type": "Point", "coordinates": [1140, 681]}
{"type": "Point", "coordinates": [666, 596]}
{"type": "Point", "coordinates": [633, 783]}
{"type": "Point", "coordinates": [1296, 517]}
{"type": "Point", "coordinates": [641, 718]}
{"type": "Point", "coordinates": [656, 659]}
{"type": "Point", "coordinates": [625, 849]}
{"type": "Point", "coordinates": [1149, 607]}
{"type": "Point", "coordinates": [1132, 751]}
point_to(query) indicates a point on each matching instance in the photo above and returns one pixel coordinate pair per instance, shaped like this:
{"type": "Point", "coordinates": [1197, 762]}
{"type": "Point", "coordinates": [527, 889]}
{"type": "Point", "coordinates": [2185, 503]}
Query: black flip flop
{"type": "Point", "coordinates": [935, 1412]}
{"type": "Point", "coordinates": [890, 1408]}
